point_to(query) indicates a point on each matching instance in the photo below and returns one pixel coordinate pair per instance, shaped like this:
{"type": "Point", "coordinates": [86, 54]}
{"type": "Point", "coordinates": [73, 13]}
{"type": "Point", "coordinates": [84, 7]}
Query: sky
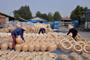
{"type": "Point", "coordinates": [45, 6]}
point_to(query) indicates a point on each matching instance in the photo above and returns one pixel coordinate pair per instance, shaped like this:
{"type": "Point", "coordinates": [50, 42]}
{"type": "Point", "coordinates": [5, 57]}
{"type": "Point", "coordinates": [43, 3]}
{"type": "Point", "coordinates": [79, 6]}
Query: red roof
{"type": "Point", "coordinates": [66, 18]}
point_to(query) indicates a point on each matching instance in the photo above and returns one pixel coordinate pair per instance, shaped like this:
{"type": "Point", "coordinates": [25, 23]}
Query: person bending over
{"type": "Point", "coordinates": [73, 31]}
{"type": "Point", "coordinates": [15, 33]}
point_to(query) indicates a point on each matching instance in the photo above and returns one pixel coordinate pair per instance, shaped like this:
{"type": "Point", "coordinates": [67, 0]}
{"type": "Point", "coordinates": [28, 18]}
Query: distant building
{"type": "Point", "coordinates": [87, 15]}
{"type": "Point", "coordinates": [5, 19]}
{"type": "Point", "coordinates": [87, 19]}
{"type": "Point", "coordinates": [65, 21]}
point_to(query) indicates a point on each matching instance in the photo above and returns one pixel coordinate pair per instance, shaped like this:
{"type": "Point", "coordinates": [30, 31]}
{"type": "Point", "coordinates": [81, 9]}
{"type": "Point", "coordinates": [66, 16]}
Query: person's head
{"type": "Point", "coordinates": [18, 25]}
{"type": "Point", "coordinates": [70, 26]}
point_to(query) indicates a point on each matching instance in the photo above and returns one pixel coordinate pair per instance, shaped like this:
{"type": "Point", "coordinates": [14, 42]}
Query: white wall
{"type": "Point", "coordinates": [87, 25]}
{"type": "Point", "coordinates": [7, 20]}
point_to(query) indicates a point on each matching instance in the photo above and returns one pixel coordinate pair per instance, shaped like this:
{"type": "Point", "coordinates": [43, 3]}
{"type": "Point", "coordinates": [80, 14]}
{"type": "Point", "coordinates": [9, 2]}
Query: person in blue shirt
{"type": "Point", "coordinates": [15, 33]}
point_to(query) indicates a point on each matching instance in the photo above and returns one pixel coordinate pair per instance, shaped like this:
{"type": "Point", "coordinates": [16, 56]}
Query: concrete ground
{"type": "Point", "coordinates": [85, 35]}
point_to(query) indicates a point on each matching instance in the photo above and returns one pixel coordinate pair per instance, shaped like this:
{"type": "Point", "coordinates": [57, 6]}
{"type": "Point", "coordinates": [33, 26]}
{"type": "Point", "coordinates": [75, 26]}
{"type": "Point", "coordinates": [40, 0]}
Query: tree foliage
{"type": "Point", "coordinates": [44, 16]}
{"type": "Point", "coordinates": [56, 16]}
{"type": "Point", "coordinates": [50, 16]}
{"type": "Point", "coordinates": [77, 13]}
{"type": "Point", "coordinates": [41, 15]}
{"type": "Point", "coordinates": [24, 12]}
{"type": "Point", "coordinates": [38, 14]}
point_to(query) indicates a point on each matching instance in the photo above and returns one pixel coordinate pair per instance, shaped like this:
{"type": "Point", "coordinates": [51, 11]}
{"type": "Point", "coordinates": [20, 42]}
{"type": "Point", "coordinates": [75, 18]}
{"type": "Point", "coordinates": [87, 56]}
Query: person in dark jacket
{"type": "Point", "coordinates": [42, 30]}
{"type": "Point", "coordinates": [73, 31]}
{"type": "Point", "coordinates": [15, 33]}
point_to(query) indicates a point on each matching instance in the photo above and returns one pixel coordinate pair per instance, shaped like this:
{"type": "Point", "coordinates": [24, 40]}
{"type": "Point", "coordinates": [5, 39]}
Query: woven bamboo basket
{"type": "Point", "coordinates": [51, 47]}
{"type": "Point", "coordinates": [86, 48]}
{"type": "Point", "coordinates": [66, 45]}
{"type": "Point", "coordinates": [63, 57]}
{"type": "Point", "coordinates": [75, 56]}
{"type": "Point", "coordinates": [77, 48]}
{"type": "Point", "coordinates": [10, 45]}
{"type": "Point", "coordinates": [25, 47]}
{"type": "Point", "coordinates": [4, 46]}
{"type": "Point", "coordinates": [37, 46]}
{"type": "Point", "coordinates": [43, 46]}
{"type": "Point", "coordinates": [18, 47]}
{"type": "Point", "coordinates": [19, 40]}
{"type": "Point", "coordinates": [82, 43]}
{"type": "Point", "coordinates": [31, 47]}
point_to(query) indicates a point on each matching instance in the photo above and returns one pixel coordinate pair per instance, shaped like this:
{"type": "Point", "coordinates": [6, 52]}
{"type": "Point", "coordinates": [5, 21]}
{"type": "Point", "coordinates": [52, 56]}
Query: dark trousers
{"type": "Point", "coordinates": [14, 39]}
{"type": "Point", "coordinates": [74, 36]}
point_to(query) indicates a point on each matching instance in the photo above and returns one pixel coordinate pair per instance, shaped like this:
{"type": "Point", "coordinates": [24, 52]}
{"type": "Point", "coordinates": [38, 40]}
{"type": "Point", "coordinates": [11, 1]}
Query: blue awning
{"type": "Point", "coordinates": [33, 21]}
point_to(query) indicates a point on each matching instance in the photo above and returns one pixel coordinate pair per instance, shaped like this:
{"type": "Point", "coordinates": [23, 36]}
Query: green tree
{"type": "Point", "coordinates": [38, 14]}
{"type": "Point", "coordinates": [44, 16]}
{"type": "Point", "coordinates": [24, 12]}
{"type": "Point", "coordinates": [50, 17]}
{"type": "Point", "coordinates": [57, 16]}
{"type": "Point", "coordinates": [77, 13]}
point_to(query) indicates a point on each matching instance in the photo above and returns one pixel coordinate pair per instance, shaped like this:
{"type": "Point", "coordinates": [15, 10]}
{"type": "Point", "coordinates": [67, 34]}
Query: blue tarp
{"type": "Point", "coordinates": [36, 21]}
{"type": "Point", "coordinates": [75, 23]}
{"type": "Point", "coordinates": [55, 24]}
{"type": "Point", "coordinates": [45, 22]}
{"type": "Point", "coordinates": [33, 21]}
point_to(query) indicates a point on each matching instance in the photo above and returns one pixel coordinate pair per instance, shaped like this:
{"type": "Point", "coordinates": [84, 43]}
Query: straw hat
{"type": "Point", "coordinates": [70, 26]}
{"type": "Point", "coordinates": [18, 25]}
{"type": "Point", "coordinates": [24, 28]}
